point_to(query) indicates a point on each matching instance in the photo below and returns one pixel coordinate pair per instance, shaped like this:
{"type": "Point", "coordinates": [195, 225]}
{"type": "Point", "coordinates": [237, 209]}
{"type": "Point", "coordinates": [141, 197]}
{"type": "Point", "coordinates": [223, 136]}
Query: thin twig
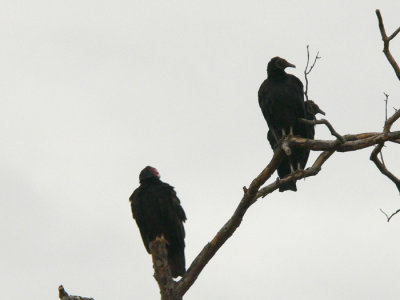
{"type": "Point", "coordinates": [308, 71]}
{"type": "Point", "coordinates": [329, 125]}
{"type": "Point", "coordinates": [386, 105]}
{"type": "Point", "coordinates": [389, 122]}
{"type": "Point", "coordinates": [389, 217]}
{"type": "Point", "coordinates": [386, 117]}
{"type": "Point", "coordinates": [381, 155]}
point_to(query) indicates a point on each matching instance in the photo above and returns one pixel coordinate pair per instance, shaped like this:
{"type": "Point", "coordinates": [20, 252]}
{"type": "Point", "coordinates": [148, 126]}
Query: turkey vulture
{"type": "Point", "coordinates": [158, 212]}
{"type": "Point", "coordinates": [281, 100]}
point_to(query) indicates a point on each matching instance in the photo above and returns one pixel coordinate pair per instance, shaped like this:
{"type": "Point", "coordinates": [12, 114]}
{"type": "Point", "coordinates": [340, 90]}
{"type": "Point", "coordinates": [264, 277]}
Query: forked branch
{"type": "Point", "coordinates": [162, 271]}
{"type": "Point", "coordinates": [325, 122]}
{"type": "Point", "coordinates": [308, 69]}
{"type": "Point", "coordinates": [389, 217]}
{"type": "Point", "coordinates": [380, 164]}
{"type": "Point", "coordinates": [386, 40]}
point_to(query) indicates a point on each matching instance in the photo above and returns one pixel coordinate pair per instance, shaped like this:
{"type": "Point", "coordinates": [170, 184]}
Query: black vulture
{"type": "Point", "coordinates": [158, 212]}
{"type": "Point", "coordinates": [311, 110]}
{"type": "Point", "coordinates": [281, 99]}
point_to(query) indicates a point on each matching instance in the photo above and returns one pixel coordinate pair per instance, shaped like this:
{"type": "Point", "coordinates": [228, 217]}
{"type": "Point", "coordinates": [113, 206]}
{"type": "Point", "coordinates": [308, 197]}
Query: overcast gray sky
{"type": "Point", "coordinates": [93, 91]}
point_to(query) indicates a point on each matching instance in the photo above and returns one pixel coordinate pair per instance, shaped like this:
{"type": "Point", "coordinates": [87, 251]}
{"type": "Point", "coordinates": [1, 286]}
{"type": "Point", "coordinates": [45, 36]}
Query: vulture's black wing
{"type": "Point", "coordinates": [139, 215]}
{"type": "Point", "coordinates": [266, 101]}
{"type": "Point", "coordinates": [157, 212]}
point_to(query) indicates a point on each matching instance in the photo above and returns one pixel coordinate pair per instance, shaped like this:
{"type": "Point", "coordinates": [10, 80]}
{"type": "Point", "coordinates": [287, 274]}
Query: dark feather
{"type": "Point", "coordinates": [281, 100]}
{"type": "Point", "coordinates": [157, 212]}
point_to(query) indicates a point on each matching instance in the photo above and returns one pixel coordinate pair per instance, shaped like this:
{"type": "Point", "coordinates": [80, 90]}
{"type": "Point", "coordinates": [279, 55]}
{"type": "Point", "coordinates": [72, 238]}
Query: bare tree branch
{"type": "Point", "coordinates": [348, 145]}
{"type": "Point", "coordinates": [380, 164]}
{"type": "Point", "coordinates": [386, 40]}
{"type": "Point", "coordinates": [230, 227]}
{"type": "Point", "coordinates": [389, 217]}
{"type": "Point", "coordinates": [386, 105]}
{"type": "Point", "coordinates": [386, 117]}
{"type": "Point", "coordinates": [326, 122]}
{"type": "Point", "coordinates": [381, 167]}
{"type": "Point", "coordinates": [389, 122]}
{"type": "Point", "coordinates": [314, 170]}
{"type": "Point", "coordinates": [162, 272]}
{"type": "Point", "coordinates": [308, 70]}
{"type": "Point", "coordinates": [353, 137]}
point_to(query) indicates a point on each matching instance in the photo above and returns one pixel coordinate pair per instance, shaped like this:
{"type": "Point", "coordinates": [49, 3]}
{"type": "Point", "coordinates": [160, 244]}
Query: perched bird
{"type": "Point", "coordinates": [158, 212]}
{"type": "Point", "coordinates": [281, 99]}
{"type": "Point", "coordinates": [312, 109]}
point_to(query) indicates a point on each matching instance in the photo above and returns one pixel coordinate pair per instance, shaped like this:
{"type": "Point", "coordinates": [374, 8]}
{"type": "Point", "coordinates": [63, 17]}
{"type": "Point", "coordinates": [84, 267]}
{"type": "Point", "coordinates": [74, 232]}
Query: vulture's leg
{"type": "Point", "coordinates": [291, 130]}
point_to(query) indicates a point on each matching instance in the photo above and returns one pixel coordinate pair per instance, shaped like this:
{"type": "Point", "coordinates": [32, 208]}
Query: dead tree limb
{"type": "Point", "coordinates": [354, 144]}
{"type": "Point", "coordinates": [386, 40]}
{"type": "Point", "coordinates": [381, 167]}
{"type": "Point", "coordinates": [308, 70]}
{"type": "Point", "coordinates": [374, 154]}
{"type": "Point", "coordinates": [230, 227]}
{"type": "Point", "coordinates": [325, 122]}
{"type": "Point", "coordinates": [314, 170]}
{"type": "Point", "coordinates": [389, 217]}
{"type": "Point", "coordinates": [162, 272]}
{"type": "Point", "coordinates": [380, 164]}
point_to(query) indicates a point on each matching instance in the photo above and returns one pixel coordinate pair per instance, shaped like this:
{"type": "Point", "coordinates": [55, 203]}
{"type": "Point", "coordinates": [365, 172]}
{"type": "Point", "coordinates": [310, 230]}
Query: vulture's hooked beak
{"type": "Point", "coordinates": [289, 65]}
{"type": "Point", "coordinates": [320, 111]}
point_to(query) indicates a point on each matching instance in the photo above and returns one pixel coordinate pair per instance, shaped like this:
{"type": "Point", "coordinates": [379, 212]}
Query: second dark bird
{"type": "Point", "coordinates": [158, 212]}
{"type": "Point", "coordinates": [281, 99]}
